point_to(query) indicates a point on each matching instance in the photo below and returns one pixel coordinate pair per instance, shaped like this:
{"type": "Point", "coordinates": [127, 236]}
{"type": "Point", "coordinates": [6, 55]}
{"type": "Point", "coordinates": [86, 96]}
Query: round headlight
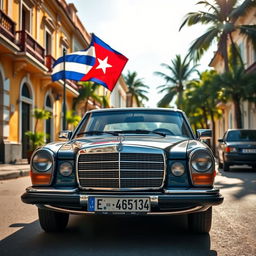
{"type": "Point", "coordinates": [177, 169]}
{"type": "Point", "coordinates": [66, 169]}
{"type": "Point", "coordinates": [42, 161]}
{"type": "Point", "coordinates": [201, 161]}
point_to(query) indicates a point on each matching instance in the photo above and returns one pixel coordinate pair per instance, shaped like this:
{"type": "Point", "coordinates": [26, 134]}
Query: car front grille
{"type": "Point", "coordinates": [121, 170]}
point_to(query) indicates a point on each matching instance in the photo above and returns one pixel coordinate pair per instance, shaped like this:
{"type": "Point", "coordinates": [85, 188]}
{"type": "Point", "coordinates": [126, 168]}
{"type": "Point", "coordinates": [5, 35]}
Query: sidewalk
{"type": "Point", "coordinates": [11, 171]}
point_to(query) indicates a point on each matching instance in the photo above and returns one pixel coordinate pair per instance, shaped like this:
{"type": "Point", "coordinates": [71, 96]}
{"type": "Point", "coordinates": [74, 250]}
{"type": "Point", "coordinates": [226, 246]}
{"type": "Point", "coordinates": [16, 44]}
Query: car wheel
{"type": "Point", "coordinates": [225, 167]}
{"type": "Point", "coordinates": [200, 222]}
{"type": "Point", "coordinates": [51, 221]}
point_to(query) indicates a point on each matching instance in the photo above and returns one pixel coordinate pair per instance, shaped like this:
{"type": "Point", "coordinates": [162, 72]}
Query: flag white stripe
{"type": "Point", "coordinates": [89, 52]}
{"type": "Point", "coordinates": [72, 66]}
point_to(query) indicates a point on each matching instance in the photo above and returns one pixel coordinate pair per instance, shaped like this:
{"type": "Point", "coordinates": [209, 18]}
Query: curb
{"type": "Point", "coordinates": [5, 175]}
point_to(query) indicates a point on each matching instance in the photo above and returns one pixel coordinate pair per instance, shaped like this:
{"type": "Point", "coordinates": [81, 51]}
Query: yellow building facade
{"type": "Point", "coordinates": [33, 34]}
{"type": "Point", "coordinates": [248, 54]}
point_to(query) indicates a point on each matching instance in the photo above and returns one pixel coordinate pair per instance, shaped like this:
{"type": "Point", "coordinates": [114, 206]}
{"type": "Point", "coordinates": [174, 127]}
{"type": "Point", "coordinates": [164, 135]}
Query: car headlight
{"type": "Point", "coordinates": [177, 169]}
{"type": "Point", "coordinates": [42, 161]}
{"type": "Point", "coordinates": [201, 161]}
{"type": "Point", "coordinates": [66, 169]}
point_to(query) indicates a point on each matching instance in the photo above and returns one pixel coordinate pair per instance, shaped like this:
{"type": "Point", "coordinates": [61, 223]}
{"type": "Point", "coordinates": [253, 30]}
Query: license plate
{"type": "Point", "coordinates": [116, 204]}
{"type": "Point", "coordinates": [249, 150]}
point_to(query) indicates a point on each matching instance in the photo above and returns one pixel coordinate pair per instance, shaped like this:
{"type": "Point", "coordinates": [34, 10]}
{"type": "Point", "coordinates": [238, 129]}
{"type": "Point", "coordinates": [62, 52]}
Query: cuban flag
{"type": "Point", "coordinates": [98, 63]}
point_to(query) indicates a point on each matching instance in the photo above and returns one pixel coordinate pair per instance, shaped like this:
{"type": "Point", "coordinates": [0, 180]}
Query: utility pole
{"type": "Point", "coordinates": [64, 91]}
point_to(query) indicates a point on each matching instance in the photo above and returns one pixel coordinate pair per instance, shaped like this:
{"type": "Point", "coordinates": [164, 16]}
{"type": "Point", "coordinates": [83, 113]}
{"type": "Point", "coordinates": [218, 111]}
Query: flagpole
{"type": "Point", "coordinates": [64, 90]}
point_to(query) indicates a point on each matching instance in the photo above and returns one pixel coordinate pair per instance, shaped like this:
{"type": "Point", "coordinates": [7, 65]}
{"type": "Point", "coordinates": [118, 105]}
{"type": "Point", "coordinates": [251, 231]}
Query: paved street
{"type": "Point", "coordinates": [233, 231]}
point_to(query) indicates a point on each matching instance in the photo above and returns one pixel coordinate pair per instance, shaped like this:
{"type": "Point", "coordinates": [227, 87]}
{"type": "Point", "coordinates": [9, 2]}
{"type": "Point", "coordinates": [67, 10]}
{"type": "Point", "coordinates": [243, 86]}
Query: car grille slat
{"type": "Point", "coordinates": [121, 170]}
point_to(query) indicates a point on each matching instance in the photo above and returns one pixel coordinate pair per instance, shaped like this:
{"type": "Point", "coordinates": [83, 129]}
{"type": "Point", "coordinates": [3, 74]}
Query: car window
{"type": "Point", "coordinates": [137, 120]}
{"type": "Point", "coordinates": [241, 135]}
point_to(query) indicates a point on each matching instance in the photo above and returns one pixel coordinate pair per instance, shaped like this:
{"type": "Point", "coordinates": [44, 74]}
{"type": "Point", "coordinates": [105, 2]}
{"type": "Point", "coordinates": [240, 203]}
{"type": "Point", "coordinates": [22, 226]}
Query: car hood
{"type": "Point", "coordinates": [177, 147]}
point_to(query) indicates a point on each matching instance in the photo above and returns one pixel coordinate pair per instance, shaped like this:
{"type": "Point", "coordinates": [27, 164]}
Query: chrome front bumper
{"type": "Point", "coordinates": [173, 202]}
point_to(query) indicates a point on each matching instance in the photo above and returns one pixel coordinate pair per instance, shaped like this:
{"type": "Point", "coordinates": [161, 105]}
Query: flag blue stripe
{"type": "Point", "coordinates": [98, 82]}
{"type": "Point", "coordinates": [68, 75]}
{"type": "Point", "coordinates": [83, 59]}
{"type": "Point", "coordinates": [103, 44]}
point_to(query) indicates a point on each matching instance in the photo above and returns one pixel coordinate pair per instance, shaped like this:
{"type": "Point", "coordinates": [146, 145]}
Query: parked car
{"type": "Point", "coordinates": [237, 147]}
{"type": "Point", "coordinates": [125, 161]}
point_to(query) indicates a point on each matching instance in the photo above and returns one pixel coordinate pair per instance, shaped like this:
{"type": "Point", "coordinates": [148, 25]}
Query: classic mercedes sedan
{"type": "Point", "coordinates": [125, 161]}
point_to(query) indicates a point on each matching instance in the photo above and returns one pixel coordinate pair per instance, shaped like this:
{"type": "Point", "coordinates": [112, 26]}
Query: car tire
{"type": "Point", "coordinates": [51, 221]}
{"type": "Point", "coordinates": [200, 222]}
{"type": "Point", "coordinates": [225, 167]}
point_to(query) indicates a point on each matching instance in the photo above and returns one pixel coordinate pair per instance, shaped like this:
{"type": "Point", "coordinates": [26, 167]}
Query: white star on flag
{"type": "Point", "coordinates": [103, 64]}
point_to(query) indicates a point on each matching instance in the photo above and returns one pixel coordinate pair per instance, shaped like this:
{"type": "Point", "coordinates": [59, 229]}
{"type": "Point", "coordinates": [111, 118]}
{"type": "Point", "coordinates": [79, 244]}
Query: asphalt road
{"type": "Point", "coordinates": [233, 231]}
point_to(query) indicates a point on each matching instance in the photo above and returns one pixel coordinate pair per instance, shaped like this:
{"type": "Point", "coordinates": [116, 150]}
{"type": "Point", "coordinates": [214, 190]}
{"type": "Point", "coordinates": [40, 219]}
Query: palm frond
{"type": "Point", "coordinates": [202, 43]}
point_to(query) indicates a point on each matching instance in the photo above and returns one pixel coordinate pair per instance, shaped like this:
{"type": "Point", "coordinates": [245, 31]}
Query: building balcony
{"type": "Point", "coordinates": [28, 44]}
{"type": "Point", "coordinates": [7, 26]}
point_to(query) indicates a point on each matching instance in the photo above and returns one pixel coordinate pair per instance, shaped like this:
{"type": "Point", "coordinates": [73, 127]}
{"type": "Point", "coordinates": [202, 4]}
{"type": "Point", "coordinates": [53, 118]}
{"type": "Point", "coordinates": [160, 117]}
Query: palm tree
{"type": "Point", "coordinates": [136, 88]}
{"type": "Point", "coordinates": [222, 17]}
{"type": "Point", "coordinates": [202, 97]}
{"type": "Point", "coordinates": [86, 91]}
{"type": "Point", "coordinates": [178, 73]}
{"type": "Point", "coordinates": [236, 86]}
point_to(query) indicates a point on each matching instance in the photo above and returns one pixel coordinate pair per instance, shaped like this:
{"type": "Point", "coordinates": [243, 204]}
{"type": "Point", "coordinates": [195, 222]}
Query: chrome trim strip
{"type": "Point", "coordinates": [58, 209]}
{"type": "Point", "coordinates": [192, 191]}
{"type": "Point", "coordinates": [101, 170]}
{"type": "Point", "coordinates": [129, 170]}
{"type": "Point", "coordinates": [194, 209]}
{"type": "Point", "coordinates": [50, 190]}
{"type": "Point", "coordinates": [122, 162]}
{"type": "Point", "coordinates": [149, 178]}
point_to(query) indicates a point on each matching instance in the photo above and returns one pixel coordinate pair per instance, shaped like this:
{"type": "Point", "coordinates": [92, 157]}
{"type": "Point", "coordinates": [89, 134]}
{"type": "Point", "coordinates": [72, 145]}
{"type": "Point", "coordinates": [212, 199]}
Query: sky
{"type": "Point", "coordinates": [145, 31]}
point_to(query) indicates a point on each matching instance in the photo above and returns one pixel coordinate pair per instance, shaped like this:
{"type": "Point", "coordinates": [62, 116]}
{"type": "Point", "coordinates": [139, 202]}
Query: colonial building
{"type": "Point", "coordinates": [33, 34]}
{"type": "Point", "coordinates": [248, 55]}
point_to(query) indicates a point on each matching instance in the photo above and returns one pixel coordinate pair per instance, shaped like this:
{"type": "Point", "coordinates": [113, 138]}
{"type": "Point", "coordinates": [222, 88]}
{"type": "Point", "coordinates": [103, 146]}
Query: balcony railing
{"type": "Point", "coordinates": [28, 44]}
{"type": "Point", "coordinates": [7, 26]}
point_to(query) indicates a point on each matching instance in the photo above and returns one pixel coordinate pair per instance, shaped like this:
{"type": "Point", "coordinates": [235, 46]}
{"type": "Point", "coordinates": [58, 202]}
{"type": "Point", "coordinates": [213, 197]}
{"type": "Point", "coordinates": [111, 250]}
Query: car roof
{"type": "Point", "coordinates": [134, 109]}
{"type": "Point", "coordinates": [242, 129]}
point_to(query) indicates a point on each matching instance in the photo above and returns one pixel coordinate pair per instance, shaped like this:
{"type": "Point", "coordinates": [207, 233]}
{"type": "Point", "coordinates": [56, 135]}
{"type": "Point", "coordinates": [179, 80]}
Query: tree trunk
{"type": "Point", "coordinates": [238, 114]}
{"type": "Point", "coordinates": [180, 96]}
{"type": "Point", "coordinates": [205, 117]}
{"type": "Point", "coordinates": [213, 132]}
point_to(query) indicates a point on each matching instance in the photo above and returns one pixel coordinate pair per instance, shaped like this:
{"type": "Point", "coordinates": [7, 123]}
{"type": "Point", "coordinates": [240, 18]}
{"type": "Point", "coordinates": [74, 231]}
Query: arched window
{"type": "Point", "coordinates": [26, 103]}
{"type": "Point", "coordinates": [25, 91]}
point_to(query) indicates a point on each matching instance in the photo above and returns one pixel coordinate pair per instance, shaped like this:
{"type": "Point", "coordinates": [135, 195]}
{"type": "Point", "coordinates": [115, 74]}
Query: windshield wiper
{"type": "Point", "coordinates": [141, 131]}
{"type": "Point", "coordinates": [98, 133]}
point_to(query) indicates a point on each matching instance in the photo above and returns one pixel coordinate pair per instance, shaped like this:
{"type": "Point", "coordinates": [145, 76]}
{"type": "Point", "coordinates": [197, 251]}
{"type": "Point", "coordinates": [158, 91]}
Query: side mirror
{"type": "Point", "coordinates": [66, 134]}
{"type": "Point", "coordinates": [204, 134]}
{"type": "Point", "coordinates": [220, 140]}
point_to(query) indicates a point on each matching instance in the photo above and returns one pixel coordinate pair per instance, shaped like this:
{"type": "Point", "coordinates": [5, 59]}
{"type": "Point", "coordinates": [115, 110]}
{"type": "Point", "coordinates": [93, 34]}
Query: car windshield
{"type": "Point", "coordinates": [135, 121]}
{"type": "Point", "coordinates": [249, 135]}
